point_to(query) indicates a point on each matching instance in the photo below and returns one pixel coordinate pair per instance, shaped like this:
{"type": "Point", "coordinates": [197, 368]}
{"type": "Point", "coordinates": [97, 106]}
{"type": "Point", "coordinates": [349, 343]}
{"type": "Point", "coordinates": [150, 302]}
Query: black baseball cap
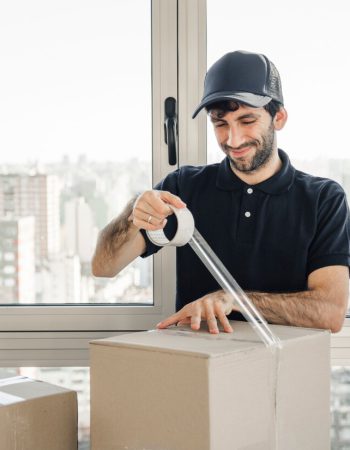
{"type": "Point", "coordinates": [245, 77]}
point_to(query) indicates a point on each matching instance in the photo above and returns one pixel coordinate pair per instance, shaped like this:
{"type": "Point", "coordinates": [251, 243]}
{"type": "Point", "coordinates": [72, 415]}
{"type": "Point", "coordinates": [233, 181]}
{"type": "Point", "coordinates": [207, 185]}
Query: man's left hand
{"type": "Point", "coordinates": [211, 307]}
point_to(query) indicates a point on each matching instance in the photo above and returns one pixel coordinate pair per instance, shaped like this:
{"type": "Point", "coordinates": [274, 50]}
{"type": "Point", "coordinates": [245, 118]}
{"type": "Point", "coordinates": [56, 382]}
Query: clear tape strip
{"type": "Point", "coordinates": [230, 286]}
{"type": "Point", "coordinates": [187, 233]}
{"type": "Point", "coordinates": [14, 380]}
{"type": "Point", "coordinates": [9, 399]}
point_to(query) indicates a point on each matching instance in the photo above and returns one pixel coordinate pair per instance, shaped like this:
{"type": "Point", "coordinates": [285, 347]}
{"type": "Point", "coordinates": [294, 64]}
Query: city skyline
{"type": "Point", "coordinates": [61, 211]}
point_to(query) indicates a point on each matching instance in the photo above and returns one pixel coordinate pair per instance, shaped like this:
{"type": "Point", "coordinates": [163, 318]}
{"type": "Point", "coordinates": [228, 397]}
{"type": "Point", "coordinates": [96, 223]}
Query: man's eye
{"type": "Point", "coordinates": [248, 122]}
{"type": "Point", "coordinates": [217, 125]}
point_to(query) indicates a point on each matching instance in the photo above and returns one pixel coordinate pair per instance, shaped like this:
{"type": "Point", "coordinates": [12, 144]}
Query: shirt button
{"type": "Point", "coordinates": [247, 214]}
{"type": "Point", "coordinates": [250, 190]}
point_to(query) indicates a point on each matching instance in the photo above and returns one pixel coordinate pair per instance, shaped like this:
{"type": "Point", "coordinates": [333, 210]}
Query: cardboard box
{"type": "Point", "coordinates": [181, 390]}
{"type": "Point", "coordinates": [37, 416]}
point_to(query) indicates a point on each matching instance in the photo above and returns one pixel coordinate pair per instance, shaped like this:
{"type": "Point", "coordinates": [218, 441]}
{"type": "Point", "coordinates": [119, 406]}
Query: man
{"type": "Point", "coordinates": [283, 234]}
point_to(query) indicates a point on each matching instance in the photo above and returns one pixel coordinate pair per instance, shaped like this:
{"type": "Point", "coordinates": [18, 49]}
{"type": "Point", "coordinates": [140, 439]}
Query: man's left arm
{"type": "Point", "coordinates": [323, 305]}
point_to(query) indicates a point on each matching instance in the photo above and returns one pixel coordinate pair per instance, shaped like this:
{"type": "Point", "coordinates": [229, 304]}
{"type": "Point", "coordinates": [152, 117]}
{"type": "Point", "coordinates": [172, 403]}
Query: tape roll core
{"type": "Point", "coordinates": [184, 232]}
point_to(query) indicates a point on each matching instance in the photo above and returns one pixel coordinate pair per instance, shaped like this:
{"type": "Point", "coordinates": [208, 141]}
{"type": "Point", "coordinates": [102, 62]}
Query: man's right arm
{"type": "Point", "coordinates": [120, 242]}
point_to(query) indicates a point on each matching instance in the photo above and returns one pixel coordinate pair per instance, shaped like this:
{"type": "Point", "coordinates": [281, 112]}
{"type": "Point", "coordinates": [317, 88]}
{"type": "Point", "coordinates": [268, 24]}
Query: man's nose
{"type": "Point", "coordinates": [235, 137]}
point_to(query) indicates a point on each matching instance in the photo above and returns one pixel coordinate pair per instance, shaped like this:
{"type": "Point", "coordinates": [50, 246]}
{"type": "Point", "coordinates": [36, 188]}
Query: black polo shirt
{"type": "Point", "coordinates": [270, 236]}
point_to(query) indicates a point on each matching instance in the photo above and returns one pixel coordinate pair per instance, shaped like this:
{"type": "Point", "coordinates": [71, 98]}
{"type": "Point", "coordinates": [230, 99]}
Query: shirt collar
{"type": "Point", "coordinates": [280, 182]}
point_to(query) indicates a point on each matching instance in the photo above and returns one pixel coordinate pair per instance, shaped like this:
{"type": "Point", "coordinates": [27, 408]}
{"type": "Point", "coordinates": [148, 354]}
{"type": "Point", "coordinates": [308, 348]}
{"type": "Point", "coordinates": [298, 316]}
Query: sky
{"type": "Point", "coordinates": [75, 75]}
{"type": "Point", "coordinates": [72, 73]}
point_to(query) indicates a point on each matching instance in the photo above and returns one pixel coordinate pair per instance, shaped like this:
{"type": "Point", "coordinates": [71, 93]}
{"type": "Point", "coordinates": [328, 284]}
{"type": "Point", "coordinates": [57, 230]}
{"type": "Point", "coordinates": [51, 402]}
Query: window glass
{"type": "Point", "coordinates": [8, 256]}
{"type": "Point", "coordinates": [340, 408]}
{"type": "Point", "coordinates": [75, 119]}
{"type": "Point", "coordinates": [308, 43]}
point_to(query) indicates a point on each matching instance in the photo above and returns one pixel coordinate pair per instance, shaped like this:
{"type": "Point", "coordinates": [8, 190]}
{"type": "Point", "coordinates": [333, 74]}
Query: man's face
{"type": "Point", "coordinates": [247, 136]}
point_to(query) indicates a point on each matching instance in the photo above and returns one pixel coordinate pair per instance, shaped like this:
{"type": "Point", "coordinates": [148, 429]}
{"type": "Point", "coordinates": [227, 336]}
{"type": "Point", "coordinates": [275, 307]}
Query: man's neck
{"type": "Point", "coordinates": [263, 173]}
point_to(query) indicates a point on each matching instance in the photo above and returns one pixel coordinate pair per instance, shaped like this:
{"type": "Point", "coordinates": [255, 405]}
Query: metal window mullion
{"type": "Point", "coordinates": [192, 23]}
{"type": "Point", "coordinates": [164, 84]}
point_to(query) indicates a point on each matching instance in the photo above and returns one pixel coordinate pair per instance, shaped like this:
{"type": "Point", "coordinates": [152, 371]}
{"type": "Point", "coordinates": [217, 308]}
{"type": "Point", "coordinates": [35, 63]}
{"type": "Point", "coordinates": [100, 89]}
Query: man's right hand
{"type": "Point", "coordinates": [120, 242]}
{"type": "Point", "coordinates": [151, 209]}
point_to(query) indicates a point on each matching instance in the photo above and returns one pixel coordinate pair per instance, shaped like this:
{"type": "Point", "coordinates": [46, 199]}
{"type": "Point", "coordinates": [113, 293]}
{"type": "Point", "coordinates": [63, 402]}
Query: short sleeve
{"type": "Point", "coordinates": [331, 244]}
{"type": "Point", "coordinates": [170, 184]}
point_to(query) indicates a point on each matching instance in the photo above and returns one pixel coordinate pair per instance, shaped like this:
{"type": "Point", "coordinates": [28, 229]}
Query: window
{"type": "Point", "coordinates": [340, 407]}
{"type": "Point", "coordinates": [309, 62]}
{"type": "Point", "coordinates": [85, 84]}
{"type": "Point", "coordinates": [77, 159]}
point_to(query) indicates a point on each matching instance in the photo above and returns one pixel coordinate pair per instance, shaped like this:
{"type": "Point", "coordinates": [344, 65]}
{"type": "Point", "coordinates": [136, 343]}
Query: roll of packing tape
{"type": "Point", "coordinates": [184, 232]}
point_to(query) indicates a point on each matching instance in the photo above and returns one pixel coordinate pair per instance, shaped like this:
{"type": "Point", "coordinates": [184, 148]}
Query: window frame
{"type": "Point", "coordinates": [340, 346]}
{"type": "Point", "coordinates": [82, 317]}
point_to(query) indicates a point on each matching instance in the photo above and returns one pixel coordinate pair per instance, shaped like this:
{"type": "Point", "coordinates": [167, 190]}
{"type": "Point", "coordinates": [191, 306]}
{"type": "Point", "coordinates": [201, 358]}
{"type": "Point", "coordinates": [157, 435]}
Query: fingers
{"type": "Point", "coordinates": [172, 199]}
{"type": "Point", "coordinates": [215, 309]}
{"type": "Point", "coordinates": [175, 318]}
{"type": "Point", "coordinates": [150, 219]}
{"type": "Point", "coordinates": [224, 321]}
{"type": "Point", "coordinates": [191, 313]}
{"type": "Point", "coordinates": [210, 308]}
{"type": "Point", "coordinates": [210, 315]}
{"type": "Point", "coordinates": [186, 321]}
{"type": "Point", "coordinates": [152, 207]}
{"type": "Point", "coordinates": [196, 316]}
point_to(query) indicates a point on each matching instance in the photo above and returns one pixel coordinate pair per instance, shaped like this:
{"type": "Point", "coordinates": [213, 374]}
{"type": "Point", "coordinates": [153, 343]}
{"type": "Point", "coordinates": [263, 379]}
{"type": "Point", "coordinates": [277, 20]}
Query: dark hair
{"type": "Point", "coordinates": [229, 105]}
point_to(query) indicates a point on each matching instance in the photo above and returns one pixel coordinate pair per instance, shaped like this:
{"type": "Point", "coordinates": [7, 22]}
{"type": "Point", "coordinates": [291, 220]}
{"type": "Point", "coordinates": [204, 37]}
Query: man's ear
{"type": "Point", "coordinates": [280, 118]}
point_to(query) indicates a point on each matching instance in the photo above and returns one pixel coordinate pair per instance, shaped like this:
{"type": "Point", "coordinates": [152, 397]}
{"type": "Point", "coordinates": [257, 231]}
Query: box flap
{"type": "Point", "coordinates": [201, 343]}
{"type": "Point", "coordinates": [21, 388]}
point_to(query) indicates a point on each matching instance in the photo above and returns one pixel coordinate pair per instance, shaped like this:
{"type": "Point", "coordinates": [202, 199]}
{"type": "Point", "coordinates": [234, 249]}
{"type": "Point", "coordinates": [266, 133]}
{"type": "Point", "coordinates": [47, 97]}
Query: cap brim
{"type": "Point", "coordinates": [257, 101]}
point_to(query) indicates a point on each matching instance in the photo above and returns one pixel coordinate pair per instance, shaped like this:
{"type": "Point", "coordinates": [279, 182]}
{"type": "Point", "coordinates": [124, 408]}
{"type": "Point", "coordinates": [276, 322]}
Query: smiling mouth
{"type": "Point", "coordinates": [240, 153]}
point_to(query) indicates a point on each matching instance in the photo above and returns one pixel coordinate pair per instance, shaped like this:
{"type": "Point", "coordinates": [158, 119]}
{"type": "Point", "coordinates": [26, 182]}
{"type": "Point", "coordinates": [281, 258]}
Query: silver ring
{"type": "Point", "coordinates": [149, 219]}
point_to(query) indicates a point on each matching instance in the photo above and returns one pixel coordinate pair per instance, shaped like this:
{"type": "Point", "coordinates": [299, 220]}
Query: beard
{"type": "Point", "coordinates": [264, 150]}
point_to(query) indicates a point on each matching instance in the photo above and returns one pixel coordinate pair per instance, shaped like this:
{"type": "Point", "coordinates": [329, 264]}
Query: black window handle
{"type": "Point", "coordinates": [170, 129]}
